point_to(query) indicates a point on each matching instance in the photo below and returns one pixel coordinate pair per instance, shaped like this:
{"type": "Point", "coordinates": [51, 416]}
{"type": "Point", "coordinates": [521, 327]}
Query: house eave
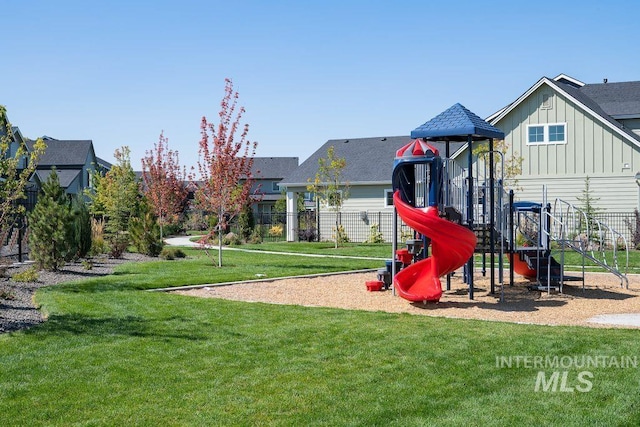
{"type": "Point", "coordinates": [626, 116]}
{"type": "Point", "coordinates": [350, 183]}
{"type": "Point", "coordinates": [557, 88]}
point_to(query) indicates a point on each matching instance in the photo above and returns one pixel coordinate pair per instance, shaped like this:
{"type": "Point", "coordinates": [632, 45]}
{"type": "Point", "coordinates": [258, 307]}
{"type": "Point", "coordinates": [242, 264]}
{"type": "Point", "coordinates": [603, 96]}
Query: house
{"type": "Point", "coordinates": [74, 161]}
{"type": "Point", "coordinates": [369, 165]}
{"type": "Point", "coordinates": [565, 131]}
{"type": "Point", "coordinates": [267, 173]}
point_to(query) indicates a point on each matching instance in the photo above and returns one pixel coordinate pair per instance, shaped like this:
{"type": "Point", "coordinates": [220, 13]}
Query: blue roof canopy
{"type": "Point", "coordinates": [457, 124]}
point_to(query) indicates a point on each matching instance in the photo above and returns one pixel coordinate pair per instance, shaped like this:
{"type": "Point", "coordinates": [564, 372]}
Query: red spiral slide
{"type": "Point", "coordinates": [452, 245]}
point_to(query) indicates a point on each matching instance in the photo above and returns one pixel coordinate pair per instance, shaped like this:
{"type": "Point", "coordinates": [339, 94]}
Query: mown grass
{"type": "Point", "coordinates": [572, 260]}
{"type": "Point", "coordinates": [112, 354]}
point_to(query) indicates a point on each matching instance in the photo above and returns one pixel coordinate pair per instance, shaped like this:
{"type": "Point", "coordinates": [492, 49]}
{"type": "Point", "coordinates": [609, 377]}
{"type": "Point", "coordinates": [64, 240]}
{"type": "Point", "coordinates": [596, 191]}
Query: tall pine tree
{"type": "Point", "coordinates": [48, 226]}
{"type": "Point", "coordinates": [79, 229]}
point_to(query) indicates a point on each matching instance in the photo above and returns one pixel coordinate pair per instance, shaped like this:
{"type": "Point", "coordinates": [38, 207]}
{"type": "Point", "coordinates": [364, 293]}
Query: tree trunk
{"type": "Point", "coordinates": [221, 227]}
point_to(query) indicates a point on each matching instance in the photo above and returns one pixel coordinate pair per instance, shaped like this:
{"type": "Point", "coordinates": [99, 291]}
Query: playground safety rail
{"type": "Point", "coordinates": [589, 237]}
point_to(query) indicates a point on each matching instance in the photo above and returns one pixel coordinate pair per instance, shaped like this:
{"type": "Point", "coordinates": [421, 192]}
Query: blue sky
{"type": "Point", "coordinates": [120, 72]}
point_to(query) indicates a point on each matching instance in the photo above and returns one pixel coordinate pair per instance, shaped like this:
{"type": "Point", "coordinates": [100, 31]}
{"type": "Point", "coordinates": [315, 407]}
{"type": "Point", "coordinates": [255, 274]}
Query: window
{"type": "Point", "coordinates": [274, 187]}
{"type": "Point", "coordinates": [554, 133]}
{"type": "Point", "coordinates": [388, 198]}
{"type": "Point", "coordinates": [536, 134]}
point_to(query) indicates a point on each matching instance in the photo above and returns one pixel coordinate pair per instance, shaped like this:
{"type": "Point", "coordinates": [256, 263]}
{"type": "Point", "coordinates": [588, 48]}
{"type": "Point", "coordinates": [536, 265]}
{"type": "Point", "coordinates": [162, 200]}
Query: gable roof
{"type": "Point", "coordinates": [63, 153]}
{"type": "Point", "coordinates": [273, 167]}
{"type": "Point", "coordinates": [65, 176]}
{"type": "Point", "coordinates": [619, 100]}
{"type": "Point", "coordinates": [369, 160]}
{"type": "Point", "coordinates": [456, 123]}
{"type": "Point", "coordinates": [580, 97]}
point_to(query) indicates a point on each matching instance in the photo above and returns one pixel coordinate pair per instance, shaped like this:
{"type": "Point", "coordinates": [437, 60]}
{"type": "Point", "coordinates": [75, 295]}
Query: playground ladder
{"type": "Point", "coordinates": [573, 228]}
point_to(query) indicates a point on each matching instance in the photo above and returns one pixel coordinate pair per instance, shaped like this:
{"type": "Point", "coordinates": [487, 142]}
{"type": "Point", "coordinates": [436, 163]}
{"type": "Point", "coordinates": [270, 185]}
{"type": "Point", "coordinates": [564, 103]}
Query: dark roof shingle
{"type": "Point", "coordinates": [369, 160]}
{"type": "Point", "coordinates": [62, 153]}
{"type": "Point", "coordinates": [615, 99]}
{"type": "Point", "coordinates": [273, 167]}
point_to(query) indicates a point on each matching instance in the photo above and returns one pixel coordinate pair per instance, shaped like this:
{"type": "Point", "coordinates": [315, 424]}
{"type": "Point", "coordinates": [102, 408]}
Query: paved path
{"type": "Point", "coordinates": [184, 241]}
{"type": "Point", "coordinates": [625, 319]}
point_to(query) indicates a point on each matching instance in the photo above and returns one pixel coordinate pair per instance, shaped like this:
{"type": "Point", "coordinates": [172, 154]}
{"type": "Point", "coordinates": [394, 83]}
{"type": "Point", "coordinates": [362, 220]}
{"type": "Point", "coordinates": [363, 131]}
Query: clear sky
{"type": "Point", "coordinates": [120, 72]}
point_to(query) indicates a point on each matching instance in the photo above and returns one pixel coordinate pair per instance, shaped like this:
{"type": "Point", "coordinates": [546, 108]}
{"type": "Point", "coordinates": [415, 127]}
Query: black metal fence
{"type": "Point", "coordinates": [378, 225]}
{"type": "Point", "coordinates": [622, 222]}
{"type": "Point", "coordinates": [311, 226]}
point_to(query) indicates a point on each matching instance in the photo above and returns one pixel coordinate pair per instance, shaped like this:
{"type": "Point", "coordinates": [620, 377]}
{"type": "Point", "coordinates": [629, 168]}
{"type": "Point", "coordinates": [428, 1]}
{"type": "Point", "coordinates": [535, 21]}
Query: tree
{"type": "Point", "coordinates": [510, 169]}
{"type": "Point", "coordinates": [329, 188]}
{"type": "Point", "coordinates": [224, 164]}
{"type": "Point", "coordinates": [246, 222]}
{"type": "Point", "coordinates": [49, 226]}
{"type": "Point", "coordinates": [116, 197]}
{"type": "Point", "coordinates": [588, 206]}
{"type": "Point", "coordinates": [17, 164]}
{"type": "Point", "coordinates": [164, 182]}
{"type": "Point", "coordinates": [145, 231]}
{"type": "Point", "coordinates": [79, 229]}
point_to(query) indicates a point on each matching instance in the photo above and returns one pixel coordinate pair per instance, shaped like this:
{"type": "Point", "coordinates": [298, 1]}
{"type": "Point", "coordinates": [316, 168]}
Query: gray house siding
{"type": "Point", "coordinates": [592, 149]}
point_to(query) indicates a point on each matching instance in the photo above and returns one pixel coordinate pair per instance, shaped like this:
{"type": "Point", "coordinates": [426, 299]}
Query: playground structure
{"type": "Point", "coordinates": [456, 212]}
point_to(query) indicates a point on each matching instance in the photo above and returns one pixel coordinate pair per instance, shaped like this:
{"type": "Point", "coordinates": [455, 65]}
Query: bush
{"type": "Point", "coordinates": [29, 275]}
{"type": "Point", "coordinates": [276, 230]}
{"type": "Point", "coordinates": [340, 235]}
{"type": "Point", "coordinates": [98, 243]}
{"type": "Point", "coordinates": [169, 253]}
{"type": "Point", "coordinates": [145, 233]}
{"type": "Point", "coordinates": [118, 244]}
{"type": "Point", "coordinates": [255, 236]}
{"type": "Point", "coordinates": [375, 235]}
{"type": "Point", "coordinates": [246, 222]}
{"type": "Point", "coordinates": [197, 221]}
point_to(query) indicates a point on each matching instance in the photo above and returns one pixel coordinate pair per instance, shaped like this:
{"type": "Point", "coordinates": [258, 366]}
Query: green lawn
{"type": "Point", "coordinates": [112, 354]}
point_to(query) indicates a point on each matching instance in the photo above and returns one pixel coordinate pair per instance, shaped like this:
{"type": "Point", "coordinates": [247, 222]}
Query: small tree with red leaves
{"type": "Point", "coordinates": [225, 162]}
{"type": "Point", "coordinates": [164, 182]}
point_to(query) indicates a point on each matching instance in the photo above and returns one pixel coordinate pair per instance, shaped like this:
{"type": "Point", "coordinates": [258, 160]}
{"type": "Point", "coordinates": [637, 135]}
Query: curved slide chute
{"type": "Point", "coordinates": [452, 245]}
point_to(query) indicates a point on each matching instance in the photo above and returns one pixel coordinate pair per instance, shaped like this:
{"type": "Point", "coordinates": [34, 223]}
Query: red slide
{"type": "Point", "coordinates": [452, 245]}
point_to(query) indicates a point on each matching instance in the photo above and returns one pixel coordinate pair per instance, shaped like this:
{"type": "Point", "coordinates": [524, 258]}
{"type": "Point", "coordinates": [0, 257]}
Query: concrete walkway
{"type": "Point", "coordinates": [184, 241]}
{"type": "Point", "coordinates": [624, 319]}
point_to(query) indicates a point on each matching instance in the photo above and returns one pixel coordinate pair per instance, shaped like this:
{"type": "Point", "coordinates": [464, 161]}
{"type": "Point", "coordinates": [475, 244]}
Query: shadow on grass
{"type": "Point", "coordinates": [132, 326]}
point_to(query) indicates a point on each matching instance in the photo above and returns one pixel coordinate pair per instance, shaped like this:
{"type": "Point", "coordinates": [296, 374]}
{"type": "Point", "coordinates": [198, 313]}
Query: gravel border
{"type": "Point", "coordinates": [17, 307]}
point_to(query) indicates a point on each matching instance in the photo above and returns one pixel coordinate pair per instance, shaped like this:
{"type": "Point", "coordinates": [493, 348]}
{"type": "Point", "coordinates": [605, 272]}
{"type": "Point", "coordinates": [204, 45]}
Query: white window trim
{"type": "Point", "coordinates": [545, 138]}
{"type": "Point", "coordinates": [328, 203]}
{"type": "Point", "coordinates": [387, 191]}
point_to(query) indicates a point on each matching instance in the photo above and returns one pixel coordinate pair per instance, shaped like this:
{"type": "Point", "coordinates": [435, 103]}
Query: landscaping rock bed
{"type": "Point", "coordinates": [17, 308]}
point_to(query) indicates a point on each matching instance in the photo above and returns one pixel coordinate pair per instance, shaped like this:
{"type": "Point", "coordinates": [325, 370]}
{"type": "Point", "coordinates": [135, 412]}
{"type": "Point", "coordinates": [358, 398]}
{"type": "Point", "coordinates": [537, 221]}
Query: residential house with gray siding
{"type": "Point", "coordinates": [566, 130]}
{"type": "Point", "coordinates": [369, 165]}
{"type": "Point", "coordinates": [267, 173]}
{"type": "Point", "coordinates": [74, 161]}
